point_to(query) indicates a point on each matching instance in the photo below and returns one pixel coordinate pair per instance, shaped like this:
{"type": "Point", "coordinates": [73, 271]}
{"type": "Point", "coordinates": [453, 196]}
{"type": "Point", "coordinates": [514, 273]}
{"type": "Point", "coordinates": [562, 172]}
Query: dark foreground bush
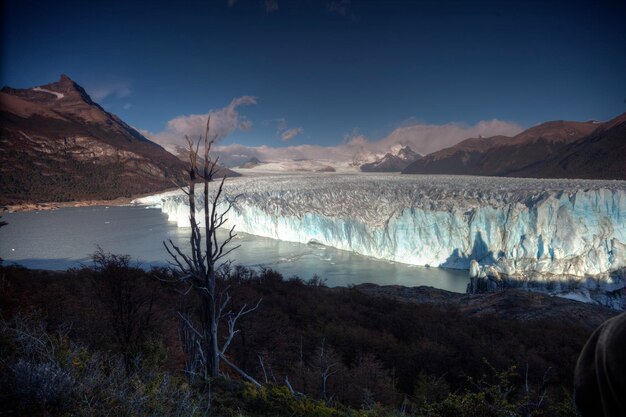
{"type": "Point", "coordinates": [47, 372]}
{"type": "Point", "coordinates": [343, 352]}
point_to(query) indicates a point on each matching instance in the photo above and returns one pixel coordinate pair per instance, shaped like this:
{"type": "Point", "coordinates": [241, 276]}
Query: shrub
{"type": "Point", "coordinates": [43, 383]}
{"type": "Point", "coordinates": [49, 372]}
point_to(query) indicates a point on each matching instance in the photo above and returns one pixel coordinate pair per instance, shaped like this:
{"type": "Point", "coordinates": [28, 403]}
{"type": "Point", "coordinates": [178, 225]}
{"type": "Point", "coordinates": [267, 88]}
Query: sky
{"type": "Point", "coordinates": [310, 77]}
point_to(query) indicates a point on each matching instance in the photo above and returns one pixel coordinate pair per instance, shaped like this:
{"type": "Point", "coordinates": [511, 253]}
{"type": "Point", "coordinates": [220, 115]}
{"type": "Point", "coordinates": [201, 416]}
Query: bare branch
{"type": "Point", "coordinates": [240, 371]}
{"type": "Point", "coordinates": [263, 368]}
{"type": "Point", "coordinates": [232, 322]}
{"type": "Point", "coordinates": [189, 325]}
{"type": "Point", "coordinates": [190, 265]}
{"type": "Point", "coordinates": [224, 305]}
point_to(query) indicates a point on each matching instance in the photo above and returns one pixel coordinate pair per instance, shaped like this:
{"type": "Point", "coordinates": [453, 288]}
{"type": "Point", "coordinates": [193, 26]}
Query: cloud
{"type": "Point", "coordinates": [231, 3]}
{"type": "Point", "coordinates": [285, 133]}
{"type": "Point", "coordinates": [127, 106]}
{"type": "Point", "coordinates": [428, 138]}
{"type": "Point", "coordinates": [245, 125]}
{"type": "Point", "coordinates": [237, 154]}
{"type": "Point", "coordinates": [281, 125]}
{"type": "Point", "coordinates": [423, 138]}
{"type": "Point", "coordinates": [338, 6]}
{"type": "Point", "coordinates": [119, 89]}
{"type": "Point", "coordinates": [291, 133]}
{"type": "Point", "coordinates": [271, 6]}
{"type": "Point", "coordinates": [224, 121]}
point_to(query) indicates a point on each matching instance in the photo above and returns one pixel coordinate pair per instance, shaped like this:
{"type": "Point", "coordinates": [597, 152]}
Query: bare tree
{"type": "Point", "coordinates": [325, 365]}
{"type": "Point", "coordinates": [200, 270]}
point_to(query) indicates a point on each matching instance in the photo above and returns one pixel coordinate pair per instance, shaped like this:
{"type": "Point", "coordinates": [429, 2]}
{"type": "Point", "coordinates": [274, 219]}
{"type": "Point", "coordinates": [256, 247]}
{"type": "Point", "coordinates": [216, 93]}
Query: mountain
{"type": "Point", "coordinates": [602, 154]}
{"type": "Point", "coordinates": [56, 144]}
{"type": "Point", "coordinates": [394, 161]}
{"type": "Point", "coordinates": [559, 149]}
{"type": "Point", "coordinates": [251, 163]}
{"type": "Point", "coordinates": [182, 153]}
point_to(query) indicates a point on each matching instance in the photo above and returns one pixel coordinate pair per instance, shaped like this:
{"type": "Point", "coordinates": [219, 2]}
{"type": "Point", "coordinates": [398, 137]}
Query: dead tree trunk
{"type": "Point", "coordinates": [326, 369]}
{"type": "Point", "coordinates": [199, 269]}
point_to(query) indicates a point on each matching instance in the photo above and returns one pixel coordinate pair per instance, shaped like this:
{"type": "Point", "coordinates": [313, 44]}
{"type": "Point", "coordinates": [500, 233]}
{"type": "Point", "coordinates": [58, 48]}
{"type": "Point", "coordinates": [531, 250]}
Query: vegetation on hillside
{"type": "Point", "coordinates": [105, 340]}
{"type": "Point", "coordinates": [67, 179]}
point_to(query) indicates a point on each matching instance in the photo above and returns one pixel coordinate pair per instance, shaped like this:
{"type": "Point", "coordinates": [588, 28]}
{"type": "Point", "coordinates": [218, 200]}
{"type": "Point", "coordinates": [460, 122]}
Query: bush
{"type": "Point", "coordinates": [49, 372]}
{"type": "Point", "coordinates": [279, 401]}
{"type": "Point", "coordinates": [43, 383]}
{"type": "Point", "coordinates": [381, 354]}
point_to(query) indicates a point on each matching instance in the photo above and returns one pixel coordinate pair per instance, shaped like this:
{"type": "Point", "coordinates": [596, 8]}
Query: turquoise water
{"type": "Point", "coordinates": [66, 238]}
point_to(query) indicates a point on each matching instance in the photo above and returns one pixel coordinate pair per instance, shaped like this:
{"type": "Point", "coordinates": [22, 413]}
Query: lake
{"type": "Point", "coordinates": [65, 238]}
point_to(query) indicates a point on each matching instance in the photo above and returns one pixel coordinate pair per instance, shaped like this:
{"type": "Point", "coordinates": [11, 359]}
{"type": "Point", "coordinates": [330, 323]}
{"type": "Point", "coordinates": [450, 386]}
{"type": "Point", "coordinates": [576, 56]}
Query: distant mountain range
{"type": "Point", "coordinates": [559, 149]}
{"type": "Point", "coordinates": [395, 160]}
{"type": "Point", "coordinates": [56, 144]}
{"type": "Point", "coordinates": [252, 163]}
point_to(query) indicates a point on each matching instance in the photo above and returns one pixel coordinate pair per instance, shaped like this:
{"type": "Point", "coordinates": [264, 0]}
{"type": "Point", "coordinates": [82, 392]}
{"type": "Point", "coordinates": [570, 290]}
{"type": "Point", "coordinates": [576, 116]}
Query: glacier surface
{"type": "Point", "coordinates": [540, 229]}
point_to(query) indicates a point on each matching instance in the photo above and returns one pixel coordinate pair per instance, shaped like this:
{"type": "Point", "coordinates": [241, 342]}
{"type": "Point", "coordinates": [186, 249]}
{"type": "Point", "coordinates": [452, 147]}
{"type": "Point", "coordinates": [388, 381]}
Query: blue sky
{"type": "Point", "coordinates": [331, 68]}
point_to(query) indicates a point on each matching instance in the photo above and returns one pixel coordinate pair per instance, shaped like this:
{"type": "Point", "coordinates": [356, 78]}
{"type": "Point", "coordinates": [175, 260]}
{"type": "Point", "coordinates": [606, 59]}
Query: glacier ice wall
{"type": "Point", "coordinates": [575, 228]}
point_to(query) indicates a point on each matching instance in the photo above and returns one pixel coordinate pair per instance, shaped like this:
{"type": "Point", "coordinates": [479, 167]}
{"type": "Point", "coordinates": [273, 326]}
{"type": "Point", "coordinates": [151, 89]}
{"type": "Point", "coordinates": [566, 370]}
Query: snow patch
{"type": "Point", "coordinates": [581, 296]}
{"type": "Point", "coordinates": [43, 90]}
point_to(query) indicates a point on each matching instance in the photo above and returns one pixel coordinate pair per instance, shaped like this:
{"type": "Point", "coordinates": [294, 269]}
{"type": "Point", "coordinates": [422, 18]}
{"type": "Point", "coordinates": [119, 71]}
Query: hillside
{"type": "Point", "coordinates": [56, 144]}
{"type": "Point", "coordinates": [558, 149]}
{"type": "Point", "coordinates": [419, 349]}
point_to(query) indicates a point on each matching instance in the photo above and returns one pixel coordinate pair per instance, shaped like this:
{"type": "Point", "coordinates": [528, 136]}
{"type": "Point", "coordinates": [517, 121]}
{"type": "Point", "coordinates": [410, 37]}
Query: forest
{"type": "Point", "coordinates": [106, 339]}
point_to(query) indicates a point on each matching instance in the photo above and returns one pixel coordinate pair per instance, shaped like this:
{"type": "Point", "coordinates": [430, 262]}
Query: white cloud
{"type": "Point", "coordinates": [224, 121]}
{"type": "Point", "coordinates": [281, 125]}
{"type": "Point", "coordinates": [127, 106]}
{"type": "Point", "coordinates": [271, 6]}
{"type": "Point", "coordinates": [428, 138]}
{"type": "Point", "coordinates": [245, 125]}
{"type": "Point", "coordinates": [338, 6]}
{"type": "Point", "coordinates": [119, 89]}
{"type": "Point", "coordinates": [423, 138]}
{"type": "Point", "coordinates": [287, 135]}
{"type": "Point", "coordinates": [236, 154]}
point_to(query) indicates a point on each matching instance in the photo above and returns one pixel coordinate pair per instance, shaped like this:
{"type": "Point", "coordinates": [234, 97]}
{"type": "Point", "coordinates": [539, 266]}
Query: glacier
{"type": "Point", "coordinates": [540, 230]}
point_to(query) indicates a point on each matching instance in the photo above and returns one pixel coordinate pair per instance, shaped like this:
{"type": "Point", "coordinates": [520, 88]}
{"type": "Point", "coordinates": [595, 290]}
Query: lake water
{"type": "Point", "coordinates": [64, 238]}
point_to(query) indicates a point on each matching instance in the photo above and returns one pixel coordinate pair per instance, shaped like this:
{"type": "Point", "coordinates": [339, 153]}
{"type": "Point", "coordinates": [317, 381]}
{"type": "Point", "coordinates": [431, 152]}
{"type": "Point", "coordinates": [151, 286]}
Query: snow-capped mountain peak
{"type": "Point", "coordinates": [398, 158]}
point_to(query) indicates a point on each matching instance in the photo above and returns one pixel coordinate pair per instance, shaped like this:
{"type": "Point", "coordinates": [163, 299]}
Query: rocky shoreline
{"type": "Point", "coordinates": [508, 303]}
{"type": "Point", "coordinates": [54, 205]}
{"type": "Point", "coordinates": [14, 208]}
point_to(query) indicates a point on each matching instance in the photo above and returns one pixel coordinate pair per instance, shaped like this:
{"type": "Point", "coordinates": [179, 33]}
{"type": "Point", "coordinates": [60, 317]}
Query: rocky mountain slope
{"type": "Point", "coordinates": [393, 161]}
{"type": "Point", "coordinates": [56, 144]}
{"type": "Point", "coordinates": [508, 304]}
{"type": "Point", "coordinates": [557, 149]}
